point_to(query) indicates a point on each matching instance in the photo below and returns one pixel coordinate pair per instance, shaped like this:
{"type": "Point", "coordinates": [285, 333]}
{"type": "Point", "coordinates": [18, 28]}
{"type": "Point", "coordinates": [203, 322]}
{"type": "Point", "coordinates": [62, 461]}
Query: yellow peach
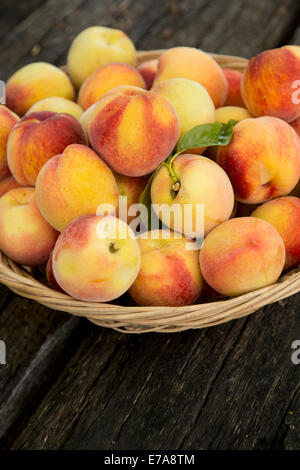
{"type": "Point", "coordinates": [96, 259]}
{"type": "Point", "coordinates": [97, 46]}
{"type": "Point", "coordinates": [36, 81]}
{"type": "Point", "coordinates": [170, 271]}
{"type": "Point", "coordinates": [25, 236]}
{"type": "Point", "coordinates": [74, 183]}
{"type": "Point", "coordinates": [242, 255]}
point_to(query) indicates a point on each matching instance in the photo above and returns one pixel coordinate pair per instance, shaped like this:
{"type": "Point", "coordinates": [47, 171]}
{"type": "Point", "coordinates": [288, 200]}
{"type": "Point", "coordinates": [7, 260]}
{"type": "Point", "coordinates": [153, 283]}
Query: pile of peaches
{"type": "Point", "coordinates": [180, 131]}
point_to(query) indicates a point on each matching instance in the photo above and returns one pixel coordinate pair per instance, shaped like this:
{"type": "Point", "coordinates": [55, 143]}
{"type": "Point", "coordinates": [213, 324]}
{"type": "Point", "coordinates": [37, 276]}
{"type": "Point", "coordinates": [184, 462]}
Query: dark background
{"type": "Point", "coordinates": [68, 384]}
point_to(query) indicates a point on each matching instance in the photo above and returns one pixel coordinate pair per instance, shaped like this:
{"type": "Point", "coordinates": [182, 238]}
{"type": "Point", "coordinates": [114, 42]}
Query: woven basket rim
{"type": "Point", "coordinates": [136, 319]}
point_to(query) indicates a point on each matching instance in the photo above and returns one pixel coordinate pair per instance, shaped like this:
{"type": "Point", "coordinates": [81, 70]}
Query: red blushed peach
{"type": "Point", "coordinates": [50, 275]}
{"type": "Point", "coordinates": [133, 130]}
{"type": "Point", "coordinates": [132, 189]}
{"type": "Point", "coordinates": [187, 62]}
{"type": "Point", "coordinates": [96, 258]}
{"type": "Point", "coordinates": [262, 159]}
{"type": "Point", "coordinates": [7, 184]}
{"type": "Point", "coordinates": [38, 137]}
{"type": "Point", "coordinates": [105, 79]}
{"type": "Point", "coordinates": [75, 183]}
{"type": "Point", "coordinates": [170, 272]}
{"type": "Point", "coordinates": [36, 81]}
{"type": "Point", "coordinates": [296, 125]}
{"type": "Point", "coordinates": [234, 97]}
{"type": "Point", "coordinates": [7, 121]}
{"type": "Point", "coordinates": [148, 71]}
{"type": "Point", "coordinates": [268, 83]}
{"type": "Point", "coordinates": [202, 184]}
{"type": "Point", "coordinates": [25, 236]}
{"type": "Point", "coordinates": [284, 214]}
{"type": "Point", "coordinates": [242, 255]}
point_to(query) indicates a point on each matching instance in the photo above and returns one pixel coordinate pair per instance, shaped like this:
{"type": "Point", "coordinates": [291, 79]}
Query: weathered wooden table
{"type": "Point", "coordinates": [68, 384]}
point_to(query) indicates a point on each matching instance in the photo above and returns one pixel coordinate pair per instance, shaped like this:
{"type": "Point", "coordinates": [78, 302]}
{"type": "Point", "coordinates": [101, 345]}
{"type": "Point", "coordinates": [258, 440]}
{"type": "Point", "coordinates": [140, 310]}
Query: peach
{"type": "Point", "coordinates": [133, 130]}
{"type": "Point", "coordinates": [50, 274]}
{"type": "Point", "coordinates": [96, 258]}
{"type": "Point", "coordinates": [170, 272]}
{"type": "Point", "coordinates": [148, 71]}
{"type": "Point", "coordinates": [106, 78]}
{"type": "Point", "coordinates": [262, 159]}
{"type": "Point", "coordinates": [242, 255]}
{"type": "Point", "coordinates": [200, 182]}
{"type": "Point", "coordinates": [132, 188]}
{"type": "Point", "coordinates": [190, 100]}
{"type": "Point", "coordinates": [57, 104]}
{"type": "Point", "coordinates": [284, 214]}
{"type": "Point", "coordinates": [25, 236]}
{"type": "Point", "coordinates": [7, 184]}
{"type": "Point", "coordinates": [225, 113]}
{"type": "Point", "coordinates": [36, 81]}
{"type": "Point", "coordinates": [187, 62]}
{"type": "Point", "coordinates": [234, 97]}
{"type": "Point", "coordinates": [296, 125]}
{"type": "Point", "coordinates": [7, 121]}
{"type": "Point", "coordinates": [97, 46]}
{"type": "Point", "coordinates": [74, 183]}
{"type": "Point", "coordinates": [38, 137]}
{"type": "Point", "coordinates": [268, 83]}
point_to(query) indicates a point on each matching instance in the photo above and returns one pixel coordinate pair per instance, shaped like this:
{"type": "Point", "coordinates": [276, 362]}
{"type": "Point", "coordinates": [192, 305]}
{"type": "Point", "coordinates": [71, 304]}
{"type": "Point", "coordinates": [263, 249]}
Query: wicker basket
{"type": "Point", "coordinates": [134, 319]}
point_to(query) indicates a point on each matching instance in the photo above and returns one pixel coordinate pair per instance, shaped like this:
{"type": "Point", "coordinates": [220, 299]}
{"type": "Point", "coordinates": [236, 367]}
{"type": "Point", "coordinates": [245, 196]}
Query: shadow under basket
{"type": "Point", "coordinates": [134, 319]}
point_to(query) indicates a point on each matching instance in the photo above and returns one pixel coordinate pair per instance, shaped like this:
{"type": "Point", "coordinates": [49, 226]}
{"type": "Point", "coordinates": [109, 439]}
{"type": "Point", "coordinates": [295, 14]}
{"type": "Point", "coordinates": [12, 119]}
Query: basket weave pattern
{"type": "Point", "coordinates": [134, 319]}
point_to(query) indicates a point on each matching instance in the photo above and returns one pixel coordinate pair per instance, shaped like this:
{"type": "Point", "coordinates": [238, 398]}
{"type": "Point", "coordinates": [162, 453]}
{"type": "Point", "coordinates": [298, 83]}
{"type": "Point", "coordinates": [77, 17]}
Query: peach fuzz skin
{"type": "Point", "coordinates": [132, 188]}
{"type": "Point", "coordinates": [7, 184]}
{"type": "Point", "coordinates": [38, 137]}
{"type": "Point", "coordinates": [242, 255]}
{"type": "Point", "coordinates": [234, 96]}
{"type": "Point", "coordinates": [262, 159]}
{"type": "Point", "coordinates": [36, 81]}
{"type": "Point", "coordinates": [284, 214]}
{"type": "Point", "coordinates": [105, 79]}
{"type": "Point", "coordinates": [148, 71]}
{"type": "Point", "coordinates": [133, 130]}
{"type": "Point", "coordinates": [202, 181]}
{"type": "Point", "coordinates": [97, 46]}
{"type": "Point", "coordinates": [267, 83]}
{"type": "Point", "coordinates": [74, 183]}
{"type": "Point", "coordinates": [7, 121]}
{"type": "Point", "coordinates": [94, 261]}
{"type": "Point", "coordinates": [187, 62]}
{"type": "Point", "coordinates": [169, 274]}
{"type": "Point", "coordinates": [25, 236]}
{"type": "Point", "coordinates": [57, 104]}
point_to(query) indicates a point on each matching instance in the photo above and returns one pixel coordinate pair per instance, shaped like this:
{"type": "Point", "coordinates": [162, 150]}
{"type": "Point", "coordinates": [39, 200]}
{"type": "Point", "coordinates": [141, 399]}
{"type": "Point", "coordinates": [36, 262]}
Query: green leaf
{"type": "Point", "coordinates": [207, 135]}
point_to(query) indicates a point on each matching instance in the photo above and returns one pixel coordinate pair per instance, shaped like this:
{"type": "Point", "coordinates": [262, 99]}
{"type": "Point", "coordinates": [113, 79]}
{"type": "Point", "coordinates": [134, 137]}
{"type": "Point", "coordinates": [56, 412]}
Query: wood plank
{"type": "Point", "coordinates": [39, 343]}
{"type": "Point", "coordinates": [97, 394]}
{"type": "Point", "coordinates": [227, 387]}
